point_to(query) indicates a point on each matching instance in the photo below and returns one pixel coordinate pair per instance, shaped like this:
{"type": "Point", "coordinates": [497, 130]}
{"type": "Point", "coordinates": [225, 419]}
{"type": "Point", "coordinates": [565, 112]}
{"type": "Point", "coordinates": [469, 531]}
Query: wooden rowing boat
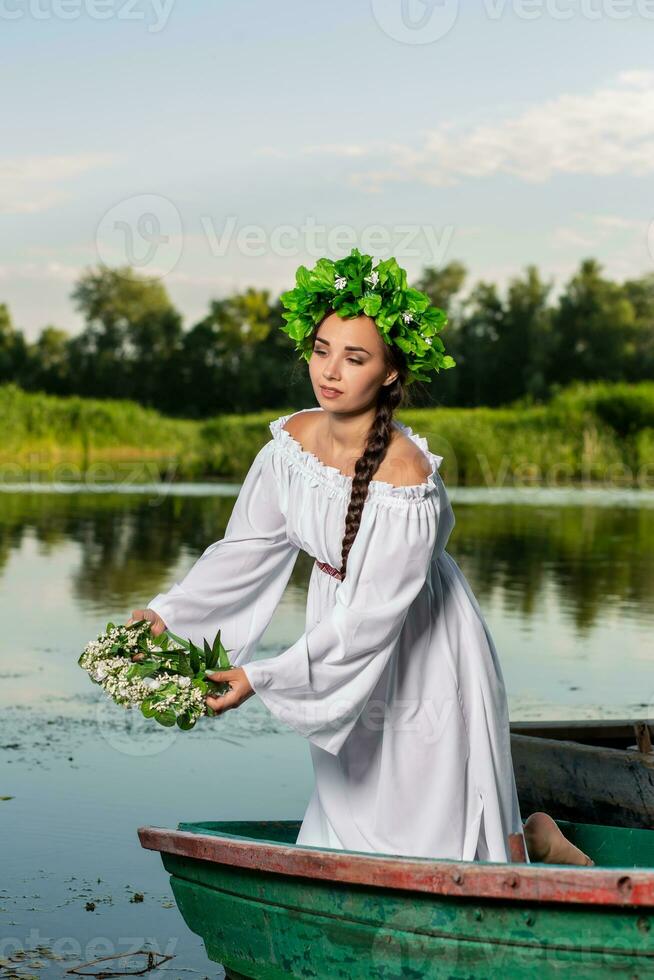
{"type": "Point", "coordinates": [588, 771]}
{"type": "Point", "coordinates": [270, 909]}
{"type": "Point", "coordinates": [625, 733]}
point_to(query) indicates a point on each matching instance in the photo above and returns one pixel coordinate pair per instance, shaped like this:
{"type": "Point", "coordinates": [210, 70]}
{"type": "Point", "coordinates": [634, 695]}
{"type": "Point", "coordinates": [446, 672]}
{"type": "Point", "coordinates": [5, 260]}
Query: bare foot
{"type": "Point", "coordinates": [546, 843]}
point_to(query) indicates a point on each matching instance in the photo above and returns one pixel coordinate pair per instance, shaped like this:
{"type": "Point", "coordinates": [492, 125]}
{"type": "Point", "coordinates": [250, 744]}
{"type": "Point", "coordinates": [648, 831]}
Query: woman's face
{"type": "Point", "coordinates": [348, 355]}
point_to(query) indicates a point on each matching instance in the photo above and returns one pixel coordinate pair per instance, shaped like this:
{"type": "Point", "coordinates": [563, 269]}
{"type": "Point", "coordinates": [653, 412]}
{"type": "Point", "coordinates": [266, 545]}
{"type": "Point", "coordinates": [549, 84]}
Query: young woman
{"type": "Point", "coordinates": [396, 682]}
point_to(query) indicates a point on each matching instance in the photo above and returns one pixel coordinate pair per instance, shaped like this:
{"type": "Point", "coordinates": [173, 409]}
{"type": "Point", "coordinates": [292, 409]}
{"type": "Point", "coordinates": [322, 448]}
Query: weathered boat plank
{"type": "Point", "coordinates": [618, 733]}
{"type": "Point", "coordinates": [580, 782]}
{"type": "Point", "coordinates": [532, 882]}
{"type": "Point", "coordinates": [269, 909]}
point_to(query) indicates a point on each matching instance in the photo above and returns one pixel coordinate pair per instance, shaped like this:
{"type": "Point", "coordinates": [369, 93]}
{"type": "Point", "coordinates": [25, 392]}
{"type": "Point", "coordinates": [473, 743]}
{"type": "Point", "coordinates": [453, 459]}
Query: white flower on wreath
{"type": "Point", "coordinates": [373, 278]}
{"type": "Point", "coordinates": [340, 282]}
{"type": "Point", "coordinates": [406, 316]}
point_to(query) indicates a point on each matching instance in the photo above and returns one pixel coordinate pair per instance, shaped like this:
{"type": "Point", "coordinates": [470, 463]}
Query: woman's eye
{"type": "Point", "coordinates": [352, 360]}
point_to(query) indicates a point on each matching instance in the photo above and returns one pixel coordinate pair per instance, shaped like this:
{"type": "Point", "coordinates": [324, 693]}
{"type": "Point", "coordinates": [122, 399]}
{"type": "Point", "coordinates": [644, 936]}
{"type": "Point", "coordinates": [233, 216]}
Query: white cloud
{"type": "Point", "coordinates": [29, 185]}
{"type": "Point", "coordinates": [336, 149]}
{"type": "Point", "coordinates": [271, 151]}
{"type": "Point", "coordinates": [570, 236]}
{"type": "Point", "coordinates": [594, 229]}
{"type": "Point", "coordinates": [600, 133]}
{"type": "Point", "coordinates": [48, 271]}
{"type": "Point", "coordinates": [614, 222]}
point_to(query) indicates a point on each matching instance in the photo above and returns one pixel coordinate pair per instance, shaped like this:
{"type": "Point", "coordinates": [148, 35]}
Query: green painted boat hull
{"type": "Point", "coordinates": [274, 926]}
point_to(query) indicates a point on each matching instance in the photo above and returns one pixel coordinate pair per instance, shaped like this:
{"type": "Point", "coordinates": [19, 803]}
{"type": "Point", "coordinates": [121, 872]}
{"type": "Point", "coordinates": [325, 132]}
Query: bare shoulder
{"type": "Point", "coordinates": [300, 426]}
{"type": "Point", "coordinates": [405, 464]}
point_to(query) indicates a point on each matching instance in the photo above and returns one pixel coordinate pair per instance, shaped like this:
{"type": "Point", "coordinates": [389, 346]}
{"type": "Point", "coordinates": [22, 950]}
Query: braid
{"type": "Point", "coordinates": [390, 397]}
{"type": "Point", "coordinates": [366, 466]}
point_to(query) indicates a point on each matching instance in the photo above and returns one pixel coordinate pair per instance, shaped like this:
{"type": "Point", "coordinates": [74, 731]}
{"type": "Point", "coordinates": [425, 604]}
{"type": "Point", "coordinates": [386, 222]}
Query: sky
{"type": "Point", "coordinates": [220, 145]}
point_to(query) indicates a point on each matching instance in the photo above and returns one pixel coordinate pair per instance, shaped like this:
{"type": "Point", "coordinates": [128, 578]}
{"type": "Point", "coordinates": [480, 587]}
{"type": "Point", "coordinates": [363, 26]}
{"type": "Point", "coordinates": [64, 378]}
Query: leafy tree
{"type": "Point", "coordinates": [443, 286]}
{"type": "Point", "coordinates": [13, 348]}
{"type": "Point", "coordinates": [594, 324]}
{"type": "Point", "coordinates": [131, 333]}
{"type": "Point", "coordinates": [519, 346]}
{"type": "Point", "coordinates": [525, 339]}
{"type": "Point", "coordinates": [640, 352]}
{"type": "Point", "coordinates": [48, 366]}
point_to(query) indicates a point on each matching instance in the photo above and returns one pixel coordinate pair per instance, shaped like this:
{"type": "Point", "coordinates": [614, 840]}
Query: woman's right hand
{"type": "Point", "coordinates": [158, 626]}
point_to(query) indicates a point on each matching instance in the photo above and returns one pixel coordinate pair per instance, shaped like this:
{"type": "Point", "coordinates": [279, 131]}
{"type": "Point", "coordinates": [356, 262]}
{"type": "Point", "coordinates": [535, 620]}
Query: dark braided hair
{"type": "Point", "coordinates": [390, 397]}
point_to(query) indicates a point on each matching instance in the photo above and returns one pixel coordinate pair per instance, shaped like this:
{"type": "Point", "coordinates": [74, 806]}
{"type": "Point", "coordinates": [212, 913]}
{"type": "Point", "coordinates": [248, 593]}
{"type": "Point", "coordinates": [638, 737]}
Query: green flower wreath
{"type": "Point", "coordinates": [349, 287]}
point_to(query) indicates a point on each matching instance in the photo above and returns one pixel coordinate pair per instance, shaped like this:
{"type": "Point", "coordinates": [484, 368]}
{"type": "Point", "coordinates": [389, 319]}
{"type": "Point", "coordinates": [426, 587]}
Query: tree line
{"type": "Point", "coordinates": [524, 344]}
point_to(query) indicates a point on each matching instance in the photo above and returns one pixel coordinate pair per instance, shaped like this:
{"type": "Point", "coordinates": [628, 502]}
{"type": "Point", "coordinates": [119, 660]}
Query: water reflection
{"type": "Point", "coordinates": [565, 583]}
{"type": "Point", "coordinates": [597, 558]}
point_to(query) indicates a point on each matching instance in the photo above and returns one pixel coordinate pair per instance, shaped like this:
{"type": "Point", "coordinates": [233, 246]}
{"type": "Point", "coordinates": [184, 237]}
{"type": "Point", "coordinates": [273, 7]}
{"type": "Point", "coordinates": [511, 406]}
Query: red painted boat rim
{"type": "Point", "coordinates": [472, 879]}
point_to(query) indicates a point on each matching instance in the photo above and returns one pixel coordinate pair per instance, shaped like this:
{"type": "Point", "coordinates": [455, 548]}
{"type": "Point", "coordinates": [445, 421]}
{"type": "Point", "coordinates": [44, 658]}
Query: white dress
{"type": "Point", "coordinates": [396, 682]}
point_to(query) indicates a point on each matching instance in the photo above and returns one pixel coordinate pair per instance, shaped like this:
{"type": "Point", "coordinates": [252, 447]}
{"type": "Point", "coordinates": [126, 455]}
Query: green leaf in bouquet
{"type": "Point", "coordinates": [165, 691]}
{"type": "Point", "coordinates": [211, 652]}
{"type": "Point", "coordinates": [195, 660]}
{"type": "Point", "coordinates": [148, 710]}
{"type": "Point", "coordinates": [179, 639]}
{"type": "Point", "coordinates": [190, 658]}
{"type": "Point", "coordinates": [185, 723]}
{"type": "Point", "coordinates": [219, 658]}
{"type": "Point", "coordinates": [146, 668]}
{"type": "Point", "coordinates": [185, 666]}
{"type": "Point", "coordinates": [217, 688]}
{"type": "Point", "coordinates": [208, 656]}
{"type": "Point", "coordinates": [223, 661]}
{"type": "Point", "coordinates": [135, 627]}
{"type": "Point", "coordinates": [166, 718]}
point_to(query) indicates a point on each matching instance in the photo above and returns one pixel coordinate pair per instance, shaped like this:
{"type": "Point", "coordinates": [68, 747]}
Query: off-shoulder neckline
{"type": "Point", "coordinates": [333, 477]}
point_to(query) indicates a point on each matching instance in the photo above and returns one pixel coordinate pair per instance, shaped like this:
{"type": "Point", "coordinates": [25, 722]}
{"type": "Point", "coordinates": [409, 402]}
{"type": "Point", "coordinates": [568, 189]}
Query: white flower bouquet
{"type": "Point", "coordinates": [137, 669]}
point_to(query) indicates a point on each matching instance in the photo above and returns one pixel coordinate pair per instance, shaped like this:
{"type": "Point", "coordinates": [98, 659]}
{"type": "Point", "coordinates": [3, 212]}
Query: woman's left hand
{"type": "Point", "coordinates": [240, 691]}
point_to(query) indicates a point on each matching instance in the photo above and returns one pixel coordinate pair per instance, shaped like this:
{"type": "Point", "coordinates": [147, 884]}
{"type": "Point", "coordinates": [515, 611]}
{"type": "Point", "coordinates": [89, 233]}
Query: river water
{"type": "Point", "coordinates": [565, 579]}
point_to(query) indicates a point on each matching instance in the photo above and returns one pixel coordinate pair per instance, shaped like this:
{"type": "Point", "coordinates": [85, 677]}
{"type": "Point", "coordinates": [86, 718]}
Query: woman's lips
{"type": "Point", "coordinates": [330, 392]}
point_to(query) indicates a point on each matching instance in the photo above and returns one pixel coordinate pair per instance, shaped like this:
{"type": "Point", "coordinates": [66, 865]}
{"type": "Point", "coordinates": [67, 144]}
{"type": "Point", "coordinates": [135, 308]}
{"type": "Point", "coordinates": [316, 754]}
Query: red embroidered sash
{"type": "Point", "coordinates": [329, 569]}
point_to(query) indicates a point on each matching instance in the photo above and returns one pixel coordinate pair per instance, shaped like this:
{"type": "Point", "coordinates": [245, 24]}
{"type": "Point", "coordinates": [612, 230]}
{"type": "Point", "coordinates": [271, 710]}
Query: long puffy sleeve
{"type": "Point", "coordinates": [236, 584]}
{"type": "Point", "coordinates": [320, 685]}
